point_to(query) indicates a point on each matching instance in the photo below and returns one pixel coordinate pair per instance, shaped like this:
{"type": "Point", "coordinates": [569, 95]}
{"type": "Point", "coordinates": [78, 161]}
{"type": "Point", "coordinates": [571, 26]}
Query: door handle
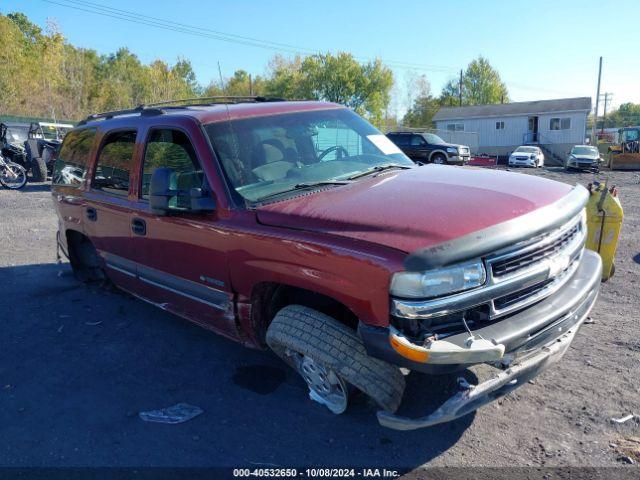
{"type": "Point", "coordinates": [139, 226]}
{"type": "Point", "coordinates": [92, 214]}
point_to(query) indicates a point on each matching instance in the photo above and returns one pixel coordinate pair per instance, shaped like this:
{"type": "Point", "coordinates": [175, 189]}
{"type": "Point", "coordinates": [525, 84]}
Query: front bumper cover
{"type": "Point", "coordinates": [472, 397]}
{"type": "Point", "coordinates": [534, 339]}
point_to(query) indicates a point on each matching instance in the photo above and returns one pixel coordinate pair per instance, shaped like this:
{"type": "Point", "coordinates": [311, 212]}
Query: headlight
{"type": "Point", "coordinates": [442, 281]}
{"type": "Point", "coordinates": [533, 156]}
{"type": "Point", "coordinates": [452, 150]}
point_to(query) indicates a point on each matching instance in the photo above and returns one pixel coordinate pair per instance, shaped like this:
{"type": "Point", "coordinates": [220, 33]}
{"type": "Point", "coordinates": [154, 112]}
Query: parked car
{"type": "Point", "coordinates": [526, 156]}
{"type": "Point", "coordinates": [583, 157]}
{"type": "Point", "coordinates": [429, 148]}
{"type": "Point", "coordinates": [42, 145]}
{"type": "Point", "coordinates": [299, 227]}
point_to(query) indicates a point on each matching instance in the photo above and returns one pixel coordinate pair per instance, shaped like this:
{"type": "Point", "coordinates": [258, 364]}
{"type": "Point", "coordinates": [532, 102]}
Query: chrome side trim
{"type": "Point", "coordinates": [121, 270]}
{"type": "Point", "coordinates": [205, 294]}
{"type": "Point", "coordinates": [496, 237]}
{"type": "Point", "coordinates": [184, 294]}
{"type": "Point", "coordinates": [195, 291]}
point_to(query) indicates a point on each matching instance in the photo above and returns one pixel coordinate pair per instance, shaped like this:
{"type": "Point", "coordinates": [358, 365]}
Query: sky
{"type": "Point", "coordinates": [542, 49]}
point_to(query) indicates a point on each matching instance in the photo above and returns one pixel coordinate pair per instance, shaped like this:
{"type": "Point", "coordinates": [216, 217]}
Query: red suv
{"type": "Point", "coordinates": [300, 227]}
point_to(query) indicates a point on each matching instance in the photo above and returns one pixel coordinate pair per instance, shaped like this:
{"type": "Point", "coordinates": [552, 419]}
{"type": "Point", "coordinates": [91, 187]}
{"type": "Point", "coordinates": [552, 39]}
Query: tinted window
{"type": "Point", "coordinates": [114, 163]}
{"type": "Point", "coordinates": [71, 165]}
{"type": "Point", "coordinates": [417, 141]}
{"type": "Point", "coordinates": [402, 140]}
{"type": "Point", "coordinates": [171, 149]}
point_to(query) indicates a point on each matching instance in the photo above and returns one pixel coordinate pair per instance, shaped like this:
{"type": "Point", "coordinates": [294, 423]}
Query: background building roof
{"type": "Point", "coordinates": [516, 108]}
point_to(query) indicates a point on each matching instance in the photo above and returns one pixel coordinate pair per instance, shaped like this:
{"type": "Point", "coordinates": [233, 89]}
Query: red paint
{"type": "Point", "coordinates": [489, 162]}
{"type": "Point", "coordinates": [417, 208]}
{"type": "Point", "coordinates": [344, 242]}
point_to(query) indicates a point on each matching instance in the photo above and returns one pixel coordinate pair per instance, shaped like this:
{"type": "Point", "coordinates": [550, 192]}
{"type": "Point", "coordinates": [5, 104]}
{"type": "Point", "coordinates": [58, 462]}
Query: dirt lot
{"type": "Point", "coordinates": [77, 364]}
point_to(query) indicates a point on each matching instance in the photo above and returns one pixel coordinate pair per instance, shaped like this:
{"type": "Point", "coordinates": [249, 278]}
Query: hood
{"type": "Point", "coordinates": [523, 154]}
{"type": "Point", "coordinates": [452, 145]}
{"type": "Point", "coordinates": [416, 208]}
{"type": "Point", "coordinates": [586, 157]}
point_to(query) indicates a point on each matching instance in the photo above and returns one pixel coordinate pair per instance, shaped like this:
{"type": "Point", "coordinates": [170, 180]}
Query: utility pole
{"type": "Point", "coordinates": [595, 119]}
{"type": "Point", "coordinates": [607, 99]}
{"type": "Point", "coordinates": [460, 90]}
{"type": "Point", "coordinates": [250, 86]}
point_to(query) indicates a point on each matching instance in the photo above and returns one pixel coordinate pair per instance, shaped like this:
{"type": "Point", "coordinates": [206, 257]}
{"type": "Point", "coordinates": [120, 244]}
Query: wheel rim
{"type": "Point", "coordinates": [13, 176]}
{"type": "Point", "coordinates": [325, 386]}
{"type": "Point", "coordinates": [438, 160]}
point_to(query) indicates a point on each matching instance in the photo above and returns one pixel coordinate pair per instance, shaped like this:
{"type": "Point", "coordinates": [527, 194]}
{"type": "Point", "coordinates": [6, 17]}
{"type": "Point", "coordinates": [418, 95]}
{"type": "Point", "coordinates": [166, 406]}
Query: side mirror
{"type": "Point", "coordinates": [201, 202]}
{"type": "Point", "coordinates": [160, 191]}
{"type": "Point", "coordinates": [164, 197]}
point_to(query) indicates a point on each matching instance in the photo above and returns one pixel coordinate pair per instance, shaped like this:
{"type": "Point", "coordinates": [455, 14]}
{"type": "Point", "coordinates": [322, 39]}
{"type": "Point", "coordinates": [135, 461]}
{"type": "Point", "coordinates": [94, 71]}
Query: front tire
{"type": "Point", "coordinates": [330, 356]}
{"type": "Point", "coordinates": [13, 176]}
{"type": "Point", "coordinates": [439, 159]}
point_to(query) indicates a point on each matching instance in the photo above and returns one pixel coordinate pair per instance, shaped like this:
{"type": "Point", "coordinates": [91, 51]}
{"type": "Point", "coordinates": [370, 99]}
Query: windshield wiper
{"type": "Point", "coordinates": [303, 186]}
{"type": "Point", "coordinates": [378, 169]}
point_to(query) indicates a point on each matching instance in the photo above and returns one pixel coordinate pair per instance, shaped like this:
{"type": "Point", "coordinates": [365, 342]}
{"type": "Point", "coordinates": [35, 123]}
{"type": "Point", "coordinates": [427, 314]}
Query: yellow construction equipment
{"type": "Point", "coordinates": [625, 155]}
{"type": "Point", "coordinates": [604, 220]}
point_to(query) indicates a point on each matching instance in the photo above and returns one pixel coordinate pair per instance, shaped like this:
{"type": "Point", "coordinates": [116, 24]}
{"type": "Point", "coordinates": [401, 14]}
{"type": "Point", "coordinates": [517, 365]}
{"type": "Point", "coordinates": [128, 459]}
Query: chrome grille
{"type": "Point", "coordinates": [527, 258]}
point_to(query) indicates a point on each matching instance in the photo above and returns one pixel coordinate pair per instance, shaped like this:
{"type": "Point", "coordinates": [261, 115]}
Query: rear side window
{"type": "Point", "coordinates": [168, 148]}
{"type": "Point", "coordinates": [400, 140]}
{"type": "Point", "coordinates": [71, 166]}
{"type": "Point", "coordinates": [114, 163]}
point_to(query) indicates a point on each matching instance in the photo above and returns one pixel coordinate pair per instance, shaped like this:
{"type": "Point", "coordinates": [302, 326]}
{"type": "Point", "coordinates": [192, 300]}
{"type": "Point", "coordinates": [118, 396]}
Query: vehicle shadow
{"type": "Point", "coordinates": [80, 362]}
{"type": "Point", "coordinates": [36, 187]}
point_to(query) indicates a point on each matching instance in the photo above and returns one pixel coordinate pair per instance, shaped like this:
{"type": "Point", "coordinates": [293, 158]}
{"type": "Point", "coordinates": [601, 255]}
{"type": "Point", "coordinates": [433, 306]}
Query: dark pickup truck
{"type": "Point", "coordinates": [430, 148]}
{"type": "Point", "coordinates": [299, 227]}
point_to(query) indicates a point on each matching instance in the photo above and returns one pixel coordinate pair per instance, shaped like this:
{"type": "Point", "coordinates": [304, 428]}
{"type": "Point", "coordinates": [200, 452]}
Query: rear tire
{"type": "Point", "coordinates": [38, 170]}
{"type": "Point", "coordinates": [297, 333]}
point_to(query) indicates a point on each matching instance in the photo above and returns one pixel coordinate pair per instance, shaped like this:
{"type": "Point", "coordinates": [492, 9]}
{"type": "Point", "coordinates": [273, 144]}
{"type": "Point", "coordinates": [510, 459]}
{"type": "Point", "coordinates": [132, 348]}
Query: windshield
{"type": "Point", "coordinates": [526, 150]}
{"type": "Point", "coordinates": [51, 132]}
{"type": "Point", "coordinates": [16, 134]}
{"type": "Point", "coordinates": [265, 155]}
{"type": "Point", "coordinates": [584, 151]}
{"type": "Point", "coordinates": [433, 139]}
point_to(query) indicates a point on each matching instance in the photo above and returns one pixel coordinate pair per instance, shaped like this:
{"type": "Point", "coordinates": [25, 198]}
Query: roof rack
{"type": "Point", "coordinates": [215, 100]}
{"type": "Point", "coordinates": [151, 108]}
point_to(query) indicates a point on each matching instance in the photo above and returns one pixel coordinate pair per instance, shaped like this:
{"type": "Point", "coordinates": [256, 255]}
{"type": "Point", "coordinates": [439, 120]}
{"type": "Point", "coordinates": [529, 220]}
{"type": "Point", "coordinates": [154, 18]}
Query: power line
{"type": "Point", "coordinates": [156, 22]}
{"type": "Point", "coordinates": [203, 32]}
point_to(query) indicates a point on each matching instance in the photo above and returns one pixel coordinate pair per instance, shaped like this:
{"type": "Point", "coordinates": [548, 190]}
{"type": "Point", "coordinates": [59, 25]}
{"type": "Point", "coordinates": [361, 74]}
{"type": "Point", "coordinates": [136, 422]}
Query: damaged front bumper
{"type": "Point", "coordinates": [472, 397]}
{"type": "Point", "coordinates": [523, 346]}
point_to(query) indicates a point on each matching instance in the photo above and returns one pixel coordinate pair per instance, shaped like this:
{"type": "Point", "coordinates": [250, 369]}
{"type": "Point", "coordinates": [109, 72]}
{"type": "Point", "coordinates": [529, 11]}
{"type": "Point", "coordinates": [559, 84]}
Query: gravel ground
{"type": "Point", "coordinates": [78, 363]}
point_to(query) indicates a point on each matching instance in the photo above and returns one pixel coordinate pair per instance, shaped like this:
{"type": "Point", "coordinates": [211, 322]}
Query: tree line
{"type": "Point", "coordinates": [43, 75]}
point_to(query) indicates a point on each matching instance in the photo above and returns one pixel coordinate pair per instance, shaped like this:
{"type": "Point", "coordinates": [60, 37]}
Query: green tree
{"type": "Point", "coordinates": [335, 78]}
{"type": "Point", "coordinates": [422, 105]}
{"type": "Point", "coordinates": [481, 85]}
{"type": "Point", "coordinates": [627, 114]}
{"type": "Point", "coordinates": [421, 112]}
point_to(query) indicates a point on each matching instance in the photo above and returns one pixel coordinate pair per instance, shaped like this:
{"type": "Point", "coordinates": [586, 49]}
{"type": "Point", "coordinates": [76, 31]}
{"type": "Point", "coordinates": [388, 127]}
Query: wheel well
{"type": "Point", "coordinates": [83, 257]}
{"type": "Point", "coordinates": [268, 299]}
{"type": "Point", "coordinates": [438, 152]}
{"type": "Point", "coordinates": [74, 240]}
